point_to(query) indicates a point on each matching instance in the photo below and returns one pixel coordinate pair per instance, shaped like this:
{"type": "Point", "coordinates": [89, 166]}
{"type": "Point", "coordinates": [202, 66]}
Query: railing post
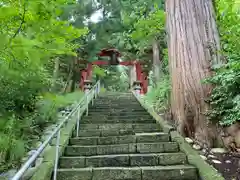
{"type": "Point", "coordinates": [78, 121]}
{"type": "Point", "coordinates": [56, 155]}
{"type": "Point", "coordinates": [93, 98]}
{"type": "Point", "coordinates": [86, 105]}
{"type": "Point", "coordinates": [137, 87]}
{"type": "Point", "coordinates": [87, 86]}
{"type": "Point", "coordinates": [98, 88]}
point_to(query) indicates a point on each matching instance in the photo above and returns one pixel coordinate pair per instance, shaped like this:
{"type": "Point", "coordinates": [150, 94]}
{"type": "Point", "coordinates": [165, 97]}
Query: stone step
{"type": "Point", "coordinates": [115, 103]}
{"type": "Point", "coordinates": [128, 116]}
{"type": "Point", "coordinates": [128, 139]}
{"type": "Point", "coordinates": [175, 172]}
{"type": "Point", "coordinates": [98, 117]}
{"type": "Point", "coordinates": [115, 96]}
{"type": "Point", "coordinates": [116, 106]}
{"type": "Point", "coordinates": [124, 160]}
{"type": "Point", "coordinates": [160, 147]}
{"type": "Point", "coordinates": [113, 132]}
{"type": "Point", "coordinates": [118, 100]}
{"type": "Point", "coordinates": [122, 100]}
{"type": "Point", "coordinates": [118, 113]}
{"type": "Point", "coordinates": [117, 120]}
{"type": "Point", "coordinates": [117, 126]}
{"type": "Point", "coordinates": [127, 110]}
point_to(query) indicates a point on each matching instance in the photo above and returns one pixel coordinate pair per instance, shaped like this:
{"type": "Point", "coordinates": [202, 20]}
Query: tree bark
{"type": "Point", "coordinates": [55, 73]}
{"type": "Point", "coordinates": [156, 61]}
{"type": "Point", "coordinates": [193, 43]}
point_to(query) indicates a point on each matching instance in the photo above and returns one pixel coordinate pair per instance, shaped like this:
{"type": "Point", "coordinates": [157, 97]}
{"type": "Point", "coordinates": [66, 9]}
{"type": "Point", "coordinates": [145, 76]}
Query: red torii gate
{"type": "Point", "coordinates": [86, 74]}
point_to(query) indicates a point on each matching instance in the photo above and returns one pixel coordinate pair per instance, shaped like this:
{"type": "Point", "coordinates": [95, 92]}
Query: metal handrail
{"type": "Point", "coordinates": [86, 99]}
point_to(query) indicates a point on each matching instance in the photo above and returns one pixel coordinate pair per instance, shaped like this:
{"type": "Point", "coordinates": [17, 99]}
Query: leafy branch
{"type": "Point", "coordinates": [22, 21]}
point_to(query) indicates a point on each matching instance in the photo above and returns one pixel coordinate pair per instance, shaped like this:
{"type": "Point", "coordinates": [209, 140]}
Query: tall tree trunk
{"type": "Point", "coordinates": [67, 86]}
{"type": "Point", "coordinates": [55, 73]}
{"type": "Point", "coordinates": [156, 61]}
{"type": "Point", "coordinates": [193, 44]}
{"type": "Point", "coordinates": [74, 75]}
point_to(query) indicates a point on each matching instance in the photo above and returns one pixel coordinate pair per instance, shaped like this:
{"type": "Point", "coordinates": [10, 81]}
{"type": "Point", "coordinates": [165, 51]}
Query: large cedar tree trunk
{"type": "Point", "coordinates": [193, 44]}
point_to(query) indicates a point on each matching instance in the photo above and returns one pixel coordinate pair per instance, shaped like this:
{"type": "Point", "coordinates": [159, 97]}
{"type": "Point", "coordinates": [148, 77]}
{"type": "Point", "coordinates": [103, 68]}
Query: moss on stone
{"type": "Point", "coordinates": [206, 171]}
{"type": "Point", "coordinates": [44, 172]}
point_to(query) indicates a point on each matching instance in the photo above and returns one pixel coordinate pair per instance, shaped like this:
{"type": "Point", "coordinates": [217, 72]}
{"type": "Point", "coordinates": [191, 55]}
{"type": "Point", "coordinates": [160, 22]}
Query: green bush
{"type": "Point", "coordinates": [19, 88]}
{"type": "Point", "coordinates": [159, 96]}
{"type": "Point", "coordinates": [225, 97]}
{"type": "Point", "coordinates": [18, 135]}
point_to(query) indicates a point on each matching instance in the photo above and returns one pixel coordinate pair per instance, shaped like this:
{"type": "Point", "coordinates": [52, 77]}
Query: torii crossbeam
{"type": "Point", "coordinates": [86, 74]}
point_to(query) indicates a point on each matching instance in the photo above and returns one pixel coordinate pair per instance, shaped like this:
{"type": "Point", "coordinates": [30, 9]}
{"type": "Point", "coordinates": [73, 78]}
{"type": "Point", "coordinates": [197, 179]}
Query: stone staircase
{"type": "Point", "coordinates": [119, 140]}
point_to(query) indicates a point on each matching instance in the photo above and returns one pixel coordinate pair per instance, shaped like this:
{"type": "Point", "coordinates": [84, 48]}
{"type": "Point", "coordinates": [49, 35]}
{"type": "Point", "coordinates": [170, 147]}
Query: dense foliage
{"type": "Point", "coordinates": [225, 97]}
{"type": "Point", "coordinates": [32, 36]}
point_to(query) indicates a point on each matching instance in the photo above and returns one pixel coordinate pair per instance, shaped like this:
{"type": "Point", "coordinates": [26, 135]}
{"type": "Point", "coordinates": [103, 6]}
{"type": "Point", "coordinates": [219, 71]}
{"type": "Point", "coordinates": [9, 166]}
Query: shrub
{"type": "Point", "coordinates": [18, 135]}
{"type": "Point", "coordinates": [225, 97]}
{"type": "Point", "coordinates": [159, 96]}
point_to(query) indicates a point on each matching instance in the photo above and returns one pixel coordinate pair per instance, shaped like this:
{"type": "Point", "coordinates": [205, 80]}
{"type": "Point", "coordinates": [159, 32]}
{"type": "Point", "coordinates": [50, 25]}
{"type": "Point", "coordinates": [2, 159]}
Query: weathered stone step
{"type": "Point", "coordinates": [118, 113]}
{"type": "Point", "coordinates": [115, 95]}
{"type": "Point", "coordinates": [138, 138]}
{"type": "Point", "coordinates": [176, 172]}
{"type": "Point", "coordinates": [114, 131]}
{"type": "Point", "coordinates": [104, 133]}
{"type": "Point", "coordinates": [117, 120]}
{"type": "Point", "coordinates": [121, 149]}
{"type": "Point", "coordinates": [105, 117]}
{"type": "Point", "coordinates": [128, 116]}
{"type": "Point", "coordinates": [137, 106]}
{"type": "Point", "coordinates": [151, 126]}
{"type": "Point", "coordinates": [123, 160]}
{"type": "Point", "coordinates": [113, 103]}
{"type": "Point", "coordinates": [127, 110]}
{"type": "Point", "coordinates": [116, 99]}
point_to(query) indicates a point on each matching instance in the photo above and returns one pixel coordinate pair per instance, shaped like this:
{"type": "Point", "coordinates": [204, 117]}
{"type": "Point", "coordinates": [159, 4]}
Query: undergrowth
{"type": "Point", "coordinates": [225, 97]}
{"type": "Point", "coordinates": [159, 96]}
{"type": "Point", "coordinates": [18, 135]}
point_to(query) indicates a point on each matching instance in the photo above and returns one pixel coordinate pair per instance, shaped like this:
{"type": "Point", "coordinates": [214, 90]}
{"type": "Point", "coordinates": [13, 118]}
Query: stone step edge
{"type": "Point", "coordinates": [132, 146]}
{"type": "Point", "coordinates": [120, 124]}
{"type": "Point", "coordinates": [115, 132]}
{"type": "Point", "coordinates": [147, 143]}
{"type": "Point", "coordinates": [185, 166]}
{"type": "Point", "coordinates": [140, 172]}
{"type": "Point", "coordinates": [114, 121]}
{"type": "Point", "coordinates": [130, 154]}
{"type": "Point", "coordinates": [89, 150]}
{"type": "Point", "coordinates": [122, 136]}
{"type": "Point", "coordinates": [127, 135]}
{"type": "Point", "coordinates": [117, 116]}
{"type": "Point", "coordinates": [124, 160]}
{"type": "Point", "coordinates": [120, 112]}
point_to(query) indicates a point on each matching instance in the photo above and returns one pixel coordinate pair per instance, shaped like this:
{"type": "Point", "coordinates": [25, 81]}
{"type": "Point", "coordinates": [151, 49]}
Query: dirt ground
{"type": "Point", "coordinates": [229, 166]}
{"type": "Point", "coordinates": [230, 162]}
